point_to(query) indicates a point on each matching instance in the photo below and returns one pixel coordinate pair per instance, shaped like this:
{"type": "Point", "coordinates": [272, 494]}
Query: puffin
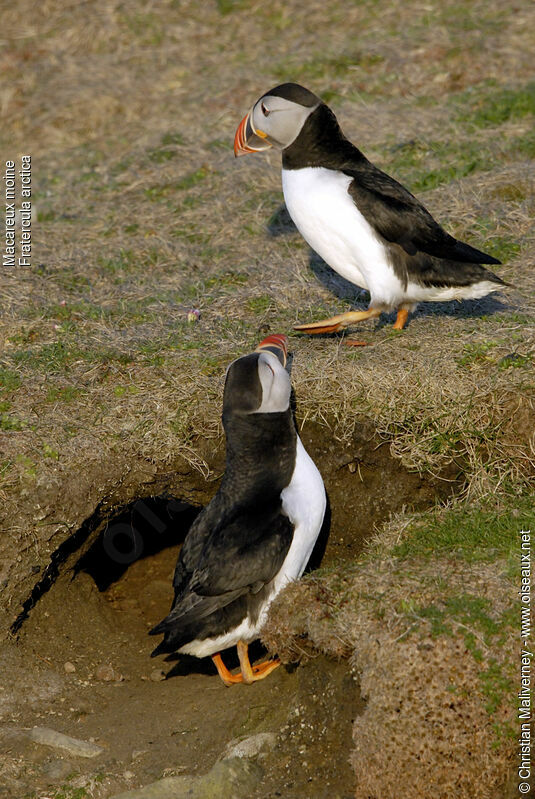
{"type": "Point", "coordinates": [259, 530]}
{"type": "Point", "coordinates": [363, 223]}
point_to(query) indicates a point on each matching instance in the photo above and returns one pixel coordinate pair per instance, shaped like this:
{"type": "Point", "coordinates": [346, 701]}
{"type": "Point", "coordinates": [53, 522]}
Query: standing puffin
{"type": "Point", "coordinates": [363, 223]}
{"type": "Point", "coordinates": [259, 530]}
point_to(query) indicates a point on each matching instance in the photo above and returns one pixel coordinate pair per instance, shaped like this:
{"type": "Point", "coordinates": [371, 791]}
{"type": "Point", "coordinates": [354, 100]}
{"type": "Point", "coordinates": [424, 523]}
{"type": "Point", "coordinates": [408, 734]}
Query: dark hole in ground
{"type": "Point", "coordinates": [152, 530]}
{"type": "Point", "coordinates": [140, 530]}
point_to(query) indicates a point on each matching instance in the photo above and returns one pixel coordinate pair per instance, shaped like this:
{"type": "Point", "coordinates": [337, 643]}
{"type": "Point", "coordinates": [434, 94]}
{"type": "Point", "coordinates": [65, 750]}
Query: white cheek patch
{"type": "Point", "coordinates": [284, 122]}
{"type": "Point", "coordinates": [275, 383]}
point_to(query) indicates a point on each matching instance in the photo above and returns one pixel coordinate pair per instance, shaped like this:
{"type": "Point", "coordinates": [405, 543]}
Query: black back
{"type": "Point", "coordinates": [417, 244]}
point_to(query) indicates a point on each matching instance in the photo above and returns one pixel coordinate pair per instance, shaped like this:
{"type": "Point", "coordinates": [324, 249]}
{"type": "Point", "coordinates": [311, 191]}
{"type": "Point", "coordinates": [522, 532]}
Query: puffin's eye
{"type": "Point", "coordinates": [265, 109]}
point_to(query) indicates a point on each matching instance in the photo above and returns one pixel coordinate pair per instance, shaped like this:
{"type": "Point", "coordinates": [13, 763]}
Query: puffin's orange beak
{"type": "Point", "coordinates": [277, 344]}
{"type": "Point", "coordinates": [247, 139]}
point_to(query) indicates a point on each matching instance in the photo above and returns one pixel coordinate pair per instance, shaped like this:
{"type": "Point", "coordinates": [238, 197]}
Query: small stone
{"type": "Point", "coordinates": [57, 740]}
{"type": "Point", "coordinates": [128, 775]}
{"type": "Point", "coordinates": [69, 667]}
{"type": "Point", "coordinates": [251, 746]}
{"type": "Point", "coordinates": [228, 778]}
{"type": "Point", "coordinates": [106, 673]}
{"type": "Point", "coordinates": [157, 675]}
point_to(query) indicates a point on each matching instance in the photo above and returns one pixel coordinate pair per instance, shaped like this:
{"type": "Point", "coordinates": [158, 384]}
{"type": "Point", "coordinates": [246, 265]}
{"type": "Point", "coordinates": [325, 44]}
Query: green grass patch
{"type": "Point", "coordinates": [219, 144]}
{"type": "Point", "coordinates": [515, 360]}
{"type": "Point", "coordinates": [63, 393]}
{"type": "Point", "coordinates": [61, 354]}
{"type": "Point", "coordinates": [28, 466]}
{"type": "Point", "coordinates": [172, 137]}
{"type": "Point", "coordinates": [502, 246]}
{"type": "Point", "coordinates": [193, 178]}
{"type": "Point", "coordinates": [73, 311]}
{"type": "Point", "coordinates": [259, 304]}
{"type": "Point", "coordinates": [472, 533]}
{"type": "Point", "coordinates": [510, 192]}
{"type": "Point", "coordinates": [46, 216]}
{"type": "Point", "coordinates": [5, 467]}
{"type": "Point", "coordinates": [469, 610]}
{"type": "Point", "coordinates": [121, 391]}
{"type": "Point", "coordinates": [167, 149]}
{"type": "Point", "coordinates": [489, 105]}
{"type": "Point", "coordinates": [67, 279]}
{"type": "Point", "coordinates": [10, 423]}
{"type": "Point", "coordinates": [161, 155]}
{"type": "Point", "coordinates": [426, 165]}
{"type": "Point", "coordinates": [471, 616]}
{"type": "Point", "coordinates": [9, 380]}
{"type": "Point", "coordinates": [525, 145]}
{"type": "Point", "coordinates": [50, 358]}
{"type": "Point", "coordinates": [123, 262]}
{"type": "Point", "coordinates": [50, 452]}
{"type": "Point", "coordinates": [163, 191]}
{"type": "Point", "coordinates": [228, 6]}
{"type": "Point", "coordinates": [325, 67]}
{"type": "Point", "coordinates": [476, 353]}
{"type": "Point", "coordinates": [495, 685]}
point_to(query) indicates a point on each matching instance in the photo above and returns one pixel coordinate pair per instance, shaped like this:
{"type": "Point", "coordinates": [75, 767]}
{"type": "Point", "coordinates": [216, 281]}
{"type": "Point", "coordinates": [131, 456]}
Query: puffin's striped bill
{"type": "Point", "coordinates": [247, 140]}
{"type": "Point", "coordinates": [277, 344]}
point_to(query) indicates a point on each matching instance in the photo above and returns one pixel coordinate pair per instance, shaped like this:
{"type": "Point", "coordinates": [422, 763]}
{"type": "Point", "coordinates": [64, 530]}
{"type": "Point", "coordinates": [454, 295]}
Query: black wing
{"type": "Point", "coordinates": [246, 554]}
{"type": "Point", "coordinates": [239, 555]}
{"type": "Point", "coordinates": [401, 219]}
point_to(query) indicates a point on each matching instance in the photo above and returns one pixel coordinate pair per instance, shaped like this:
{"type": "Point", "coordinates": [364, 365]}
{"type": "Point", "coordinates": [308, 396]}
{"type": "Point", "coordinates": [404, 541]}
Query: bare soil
{"type": "Point", "coordinates": [148, 728]}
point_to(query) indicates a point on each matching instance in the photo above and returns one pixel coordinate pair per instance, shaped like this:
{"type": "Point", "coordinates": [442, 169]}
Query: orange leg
{"type": "Point", "coordinates": [401, 319]}
{"type": "Point", "coordinates": [248, 674]}
{"type": "Point", "coordinates": [265, 668]}
{"type": "Point", "coordinates": [224, 673]}
{"type": "Point", "coordinates": [339, 322]}
{"type": "Point", "coordinates": [254, 673]}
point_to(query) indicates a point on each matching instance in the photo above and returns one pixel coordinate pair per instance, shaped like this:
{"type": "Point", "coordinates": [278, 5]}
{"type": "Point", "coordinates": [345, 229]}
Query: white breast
{"type": "Point", "coordinates": [304, 502]}
{"type": "Point", "coordinates": [326, 216]}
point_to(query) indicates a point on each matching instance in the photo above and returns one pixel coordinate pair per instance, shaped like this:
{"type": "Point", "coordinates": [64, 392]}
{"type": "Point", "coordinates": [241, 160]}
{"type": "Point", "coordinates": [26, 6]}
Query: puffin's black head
{"type": "Point", "coordinates": [258, 382]}
{"type": "Point", "coordinates": [276, 119]}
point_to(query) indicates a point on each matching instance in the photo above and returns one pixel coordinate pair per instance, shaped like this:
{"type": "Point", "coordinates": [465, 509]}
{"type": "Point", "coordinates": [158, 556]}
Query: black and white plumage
{"type": "Point", "coordinates": [363, 223]}
{"type": "Point", "coordinates": [259, 530]}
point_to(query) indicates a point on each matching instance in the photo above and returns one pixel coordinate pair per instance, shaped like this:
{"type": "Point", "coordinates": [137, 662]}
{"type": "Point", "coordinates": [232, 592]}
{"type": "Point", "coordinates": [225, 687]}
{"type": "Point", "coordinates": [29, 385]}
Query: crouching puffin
{"type": "Point", "coordinates": [259, 530]}
{"type": "Point", "coordinates": [363, 223]}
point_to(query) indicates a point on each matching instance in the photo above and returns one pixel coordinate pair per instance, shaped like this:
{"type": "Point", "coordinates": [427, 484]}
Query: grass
{"type": "Point", "coordinates": [491, 105]}
{"type": "Point", "coordinates": [9, 380]}
{"type": "Point", "coordinates": [9, 422]}
{"type": "Point", "coordinates": [414, 161]}
{"type": "Point", "coordinates": [473, 613]}
{"type": "Point", "coordinates": [474, 534]}
{"type": "Point", "coordinates": [445, 626]}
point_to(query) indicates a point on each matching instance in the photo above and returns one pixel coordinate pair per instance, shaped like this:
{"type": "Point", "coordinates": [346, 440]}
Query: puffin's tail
{"type": "Point", "coordinates": [468, 254]}
{"type": "Point", "coordinates": [183, 620]}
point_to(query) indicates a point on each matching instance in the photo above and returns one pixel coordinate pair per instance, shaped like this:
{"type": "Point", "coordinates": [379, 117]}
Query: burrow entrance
{"type": "Point", "coordinates": [111, 581]}
{"type": "Point", "coordinates": [365, 485]}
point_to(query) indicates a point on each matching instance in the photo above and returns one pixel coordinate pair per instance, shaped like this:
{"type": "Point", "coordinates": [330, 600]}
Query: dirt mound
{"type": "Point", "coordinates": [433, 645]}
